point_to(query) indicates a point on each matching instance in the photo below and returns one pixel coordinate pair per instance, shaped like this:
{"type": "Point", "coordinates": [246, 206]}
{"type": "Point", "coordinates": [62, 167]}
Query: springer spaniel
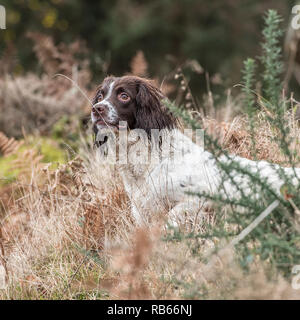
{"type": "Point", "coordinates": [162, 184]}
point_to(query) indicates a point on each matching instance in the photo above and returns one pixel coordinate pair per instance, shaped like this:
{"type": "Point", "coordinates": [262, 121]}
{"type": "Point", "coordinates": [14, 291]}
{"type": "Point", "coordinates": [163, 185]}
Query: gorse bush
{"type": "Point", "coordinates": [271, 60]}
{"type": "Point", "coordinates": [248, 82]}
{"type": "Point", "coordinates": [271, 57]}
{"type": "Point", "coordinates": [249, 97]}
{"type": "Point", "coordinates": [276, 239]}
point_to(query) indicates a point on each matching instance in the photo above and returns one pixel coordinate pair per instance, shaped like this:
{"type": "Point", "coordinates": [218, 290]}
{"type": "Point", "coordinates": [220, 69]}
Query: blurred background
{"type": "Point", "coordinates": [58, 206]}
{"type": "Point", "coordinates": [206, 40]}
{"type": "Point", "coordinates": [218, 34]}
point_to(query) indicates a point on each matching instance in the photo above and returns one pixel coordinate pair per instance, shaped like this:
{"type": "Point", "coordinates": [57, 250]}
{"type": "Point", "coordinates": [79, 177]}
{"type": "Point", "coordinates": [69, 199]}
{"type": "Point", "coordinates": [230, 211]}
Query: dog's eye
{"type": "Point", "coordinates": [100, 97]}
{"type": "Point", "coordinates": [123, 96]}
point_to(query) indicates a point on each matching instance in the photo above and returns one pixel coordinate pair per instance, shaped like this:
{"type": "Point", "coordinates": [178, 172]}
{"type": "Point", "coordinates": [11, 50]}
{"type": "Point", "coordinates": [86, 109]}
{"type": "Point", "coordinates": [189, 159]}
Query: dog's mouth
{"type": "Point", "coordinates": [102, 124]}
{"type": "Point", "coordinates": [99, 143]}
{"type": "Point", "coordinates": [102, 128]}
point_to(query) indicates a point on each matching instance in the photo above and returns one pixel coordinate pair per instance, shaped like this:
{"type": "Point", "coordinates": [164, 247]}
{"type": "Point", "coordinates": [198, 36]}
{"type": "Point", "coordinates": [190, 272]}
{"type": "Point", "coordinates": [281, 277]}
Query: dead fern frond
{"type": "Point", "coordinates": [8, 145]}
{"type": "Point", "coordinates": [62, 59]}
{"type": "Point", "coordinates": [93, 228]}
{"type": "Point", "coordinates": [8, 59]}
{"type": "Point", "coordinates": [36, 102]}
{"type": "Point", "coordinates": [139, 65]}
{"type": "Point", "coordinates": [131, 263]}
{"type": "Point", "coordinates": [28, 162]}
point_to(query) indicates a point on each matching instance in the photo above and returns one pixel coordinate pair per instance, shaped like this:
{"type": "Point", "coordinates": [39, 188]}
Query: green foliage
{"type": "Point", "coordinates": [276, 239]}
{"type": "Point", "coordinates": [249, 96]}
{"type": "Point", "coordinates": [8, 173]}
{"type": "Point", "coordinates": [66, 132]}
{"type": "Point", "coordinates": [271, 60]}
{"type": "Point", "coordinates": [272, 57]}
{"type": "Point", "coordinates": [272, 64]}
{"type": "Point", "coordinates": [248, 84]}
{"type": "Point", "coordinates": [51, 151]}
{"type": "Point", "coordinates": [215, 33]}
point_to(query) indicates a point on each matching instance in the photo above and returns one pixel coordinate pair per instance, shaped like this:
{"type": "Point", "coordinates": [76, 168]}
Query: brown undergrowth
{"type": "Point", "coordinates": [67, 233]}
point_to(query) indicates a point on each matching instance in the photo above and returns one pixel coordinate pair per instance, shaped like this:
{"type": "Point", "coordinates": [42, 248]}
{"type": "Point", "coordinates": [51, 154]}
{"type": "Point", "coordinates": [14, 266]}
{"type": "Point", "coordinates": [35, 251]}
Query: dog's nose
{"type": "Point", "coordinates": [98, 109]}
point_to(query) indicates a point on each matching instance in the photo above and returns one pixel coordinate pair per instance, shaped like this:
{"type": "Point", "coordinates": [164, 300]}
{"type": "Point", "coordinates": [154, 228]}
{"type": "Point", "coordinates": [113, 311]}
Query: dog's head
{"type": "Point", "coordinates": [133, 100]}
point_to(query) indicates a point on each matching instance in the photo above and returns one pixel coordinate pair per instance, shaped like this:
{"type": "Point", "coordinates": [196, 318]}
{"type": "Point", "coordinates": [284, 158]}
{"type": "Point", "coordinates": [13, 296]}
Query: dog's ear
{"type": "Point", "coordinates": [150, 112]}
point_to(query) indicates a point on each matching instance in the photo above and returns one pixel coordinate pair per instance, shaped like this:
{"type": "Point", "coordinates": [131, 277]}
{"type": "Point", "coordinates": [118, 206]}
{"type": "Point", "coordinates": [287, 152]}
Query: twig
{"type": "Point", "coordinates": [255, 223]}
{"type": "Point", "coordinates": [74, 275]}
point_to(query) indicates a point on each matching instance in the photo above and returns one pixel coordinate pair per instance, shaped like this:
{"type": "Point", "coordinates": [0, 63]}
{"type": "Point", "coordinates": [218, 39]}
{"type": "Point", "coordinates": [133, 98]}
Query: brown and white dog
{"type": "Point", "coordinates": [166, 185]}
{"type": "Point", "coordinates": [132, 99]}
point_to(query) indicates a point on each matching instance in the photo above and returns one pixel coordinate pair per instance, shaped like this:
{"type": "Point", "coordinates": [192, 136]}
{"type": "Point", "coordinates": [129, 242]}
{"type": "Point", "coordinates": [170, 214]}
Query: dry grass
{"type": "Point", "coordinates": [8, 146]}
{"type": "Point", "coordinates": [68, 234]}
{"type": "Point", "coordinates": [236, 139]}
{"type": "Point", "coordinates": [59, 218]}
{"type": "Point", "coordinates": [30, 101]}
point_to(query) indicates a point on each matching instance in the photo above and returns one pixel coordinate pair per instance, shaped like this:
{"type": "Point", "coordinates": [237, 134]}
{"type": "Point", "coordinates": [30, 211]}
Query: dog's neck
{"type": "Point", "coordinates": [169, 145]}
{"type": "Point", "coordinates": [144, 154]}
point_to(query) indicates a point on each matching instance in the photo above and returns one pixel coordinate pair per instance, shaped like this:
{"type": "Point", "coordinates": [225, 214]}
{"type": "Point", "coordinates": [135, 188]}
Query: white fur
{"type": "Point", "coordinates": [112, 114]}
{"type": "Point", "coordinates": [161, 186]}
